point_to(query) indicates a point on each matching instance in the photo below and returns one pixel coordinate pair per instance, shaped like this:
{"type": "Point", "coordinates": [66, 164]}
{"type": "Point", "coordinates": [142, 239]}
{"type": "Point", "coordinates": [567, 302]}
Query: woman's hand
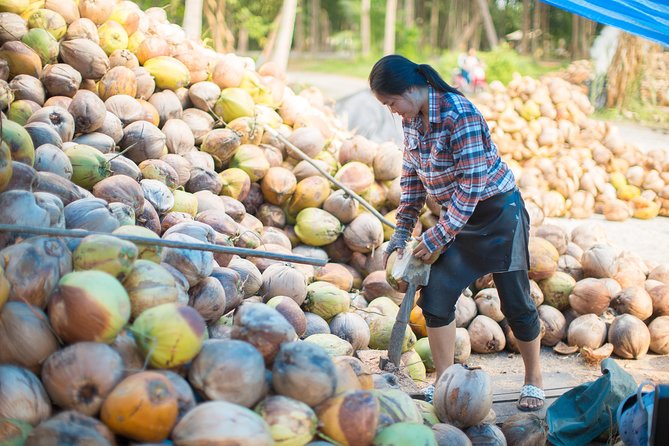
{"type": "Point", "coordinates": [422, 253]}
{"type": "Point", "coordinates": [386, 256]}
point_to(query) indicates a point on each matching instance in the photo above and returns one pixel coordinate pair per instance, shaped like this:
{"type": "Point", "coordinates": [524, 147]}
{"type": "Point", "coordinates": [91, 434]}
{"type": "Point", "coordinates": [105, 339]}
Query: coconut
{"type": "Point", "coordinates": [488, 304]}
{"type": "Point", "coordinates": [142, 140]}
{"type": "Point", "coordinates": [251, 159]}
{"type": "Point", "coordinates": [123, 58]}
{"type": "Point", "coordinates": [146, 85]}
{"type": "Point", "coordinates": [291, 311]}
{"type": "Point", "coordinates": [79, 428]}
{"type": "Point", "coordinates": [387, 162]}
{"type": "Point", "coordinates": [194, 265]}
{"type": "Point", "coordinates": [555, 323]}
{"type": "Point", "coordinates": [58, 118]}
{"type": "Point", "coordinates": [20, 110]}
{"type": "Point", "coordinates": [98, 140]}
{"type": "Point", "coordinates": [28, 337]}
{"type": "Point", "coordinates": [14, 27]}
{"type": "Point", "coordinates": [88, 111]}
{"type": "Point", "coordinates": [465, 311]}
{"type": "Point", "coordinates": [233, 103]}
{"type": "Point", "coordinates": [308, 139]}
{"type": "Point", "coordinates": [220, 422]}
{"type": "Point", "coordinates": [660, 273]}
{"type": "Point", "coordinates": [630, 337]}
{"type": "Point", "coordinates": [22, 396]}
{"type": "Point", "coordinates": [524, 430]}
{"type": "Point", "coordinates": [568, 264]}
{"type": "Point", "coordinates": [82, 28]}
{"type": "Point", "coordinates": [126, 108]}
{"type": "Point", "coordinates": [149, 285]}
{"type": "Point", "coordinates": [60, 187]}
{"type": "Point", "coordinates": [356, 176]}
{"type": "Point", "coordinates": [219, 143]}
{"type": "Point", "coordinates": [89, 306]}
{"type": "Point", "coordinates": [28, 88]}
{"type": "Point", "coordinates": [21, 59]}
{"type": "Point", "coordinates": [364, 233]}
{"type": "Point", "coordinates": [283, 280]}
{"type": "Point", "coordinates": [305, 372]}
{"type": "Point", "coordinates": [169, 335]}
{"type": "Point", "coordinates": [105, 253]}
{"type": "Point", "coordinates": [19, 142]}
{"type": "Point", "coordinates": [310, 192]}
{"type": "Point", "coordinates": [80, 376]}
{"type": "Point", "coordinates": [317, 227]}
{"type": "Point", "coordinates": [142, 407]}
{"type": "Point", "coordinates": [158, 195]}
{"type": "Point", "coordinates": [486, 336]}
{"type": "Point", "coordinates": [290, 421]}
{"type": "Point", "coordinates": [43, 43]}
{"type": "Point", "coordinates": [659, 335]}
{"type": "Point", "coordinates": [208, 298]}
{"type": "Point", "coordinates": [380, 329]}
{"type": "Point", "coordinates": [599, 260]}
{"type": "Point", "coordinates": [315, 324]}
{"type": "Point", "coordinates": [305, 169]}
{"type": "Point", "coordinates": [635, 301]}
{"type": "Point", "coordinates": [660, 297]}
{"type": "Point", "coordinates": [86, 57]}
{"type": "Point", "coordinates": [123, 213]}
{"type": "Point", "coordinates": [326, 300]}
{"type": "Point", "coordinates": [113, 36]}
{"type": "Point", "coordinates": [19, 176]}
{"type": "Point", "coordinates": [543, 258]}
{"type": "Point", "coordinates": [554, 234]}
{"type": "Point", "coordinates": [358, 148]}
{"type": "Point", "coordinates": [486, 434]}
{"type": "Point", "coordinates": [352, 328]}
{"type": "Point", "coordinates": [278, 184]}
{"type": "Point", "coordinates": [587, 331]}
{"type": "Point", "coordinates": [168, 72]}
{"type": "Point", "coordinates": [556, 289]}
{"type": "Point", "coordinates": [167, 104]}
{"type": "Point", "coordinates": [122, 189]}
{"type": "Point", "coordinates": [333, 345]}
{"type": "Point", "coordinates": [220, 360]}
{"type": "Point", "coordinates": [589, 296]}
{"type": "Point", "coordinates": [462, 396]}
{"type": "Point", "coordinates": [42, 133]}
{"type": "Point", "coordinates": [47, 259]}
{"type": "Point", "coordinates": [49, 158]}
{"type": "Point", "coordinates": [375, 285]}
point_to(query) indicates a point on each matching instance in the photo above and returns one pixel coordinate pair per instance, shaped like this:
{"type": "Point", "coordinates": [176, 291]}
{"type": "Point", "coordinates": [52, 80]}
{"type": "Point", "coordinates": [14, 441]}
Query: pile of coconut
{"type": "Point", "coordinates": [113, 122]}
{"type": "Point", "coordinates": [567, 163]}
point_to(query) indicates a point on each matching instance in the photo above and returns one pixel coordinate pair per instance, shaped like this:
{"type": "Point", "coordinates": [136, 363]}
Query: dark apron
{"type": "Point", "coordinates": [495, 239]}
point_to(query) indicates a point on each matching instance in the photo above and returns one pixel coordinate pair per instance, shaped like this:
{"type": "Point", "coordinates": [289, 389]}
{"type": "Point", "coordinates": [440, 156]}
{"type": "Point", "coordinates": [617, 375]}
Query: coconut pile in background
{"type": "Point", "coordinates": [114, 122]}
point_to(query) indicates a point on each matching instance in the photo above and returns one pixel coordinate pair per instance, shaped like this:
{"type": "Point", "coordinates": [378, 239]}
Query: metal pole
{"type": "Point", "coordinates": [80, 233]}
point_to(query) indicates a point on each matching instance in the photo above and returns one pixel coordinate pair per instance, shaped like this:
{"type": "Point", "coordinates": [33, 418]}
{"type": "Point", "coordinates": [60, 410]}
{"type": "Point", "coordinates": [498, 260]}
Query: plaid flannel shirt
{"type": "Point", "coordinates": [455, 161]}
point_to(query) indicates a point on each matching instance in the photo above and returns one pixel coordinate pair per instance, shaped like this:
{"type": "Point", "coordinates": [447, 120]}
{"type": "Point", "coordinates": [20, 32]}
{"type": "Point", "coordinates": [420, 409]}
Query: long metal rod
{"type": "Point", "coordinates": [345, 188]}
{"type": "Point", "coordinates": [80, 233]}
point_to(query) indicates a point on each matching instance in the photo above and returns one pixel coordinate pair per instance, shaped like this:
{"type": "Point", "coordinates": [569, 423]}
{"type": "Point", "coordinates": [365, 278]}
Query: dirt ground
{"type": "Point", "coordinates": [648, 238]}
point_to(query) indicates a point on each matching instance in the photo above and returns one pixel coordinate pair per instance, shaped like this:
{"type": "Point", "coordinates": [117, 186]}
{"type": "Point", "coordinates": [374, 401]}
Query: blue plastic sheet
{"type": "Point", "coordinates": [646, 18]}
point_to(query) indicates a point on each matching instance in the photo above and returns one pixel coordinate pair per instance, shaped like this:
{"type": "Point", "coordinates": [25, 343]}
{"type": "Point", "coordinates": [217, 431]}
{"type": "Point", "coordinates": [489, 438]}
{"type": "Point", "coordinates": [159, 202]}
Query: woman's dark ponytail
{"type": "Point", "coordinates": [435, 80]}
{"type": "Point", "coordinates": [395, 75]}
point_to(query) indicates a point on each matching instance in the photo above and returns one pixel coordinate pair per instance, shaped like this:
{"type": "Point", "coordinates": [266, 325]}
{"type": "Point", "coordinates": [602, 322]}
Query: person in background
{"type": "Point", "coordinates": [483, 227]}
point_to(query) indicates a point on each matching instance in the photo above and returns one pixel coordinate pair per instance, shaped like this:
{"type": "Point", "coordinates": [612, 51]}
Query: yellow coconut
{"type": "Point", "coordinates": [310, 192]}
{"type": "Point", "coordinates": [145, 251]}
{"type": "Point", "coordinates": [21, 59]}
{"type": "Point", "coordinates": [49, 20]}
{"type": "Point", "coordinates": [119, 80]}
{"type": "Point", "coordinates": [168, 72]}
{"type": "Point", "coordinates": [127, 14]}
{"type": "Point", "coordinates": [15, 6]}
{"type": "Point", "coordinates": [234, 103]}
{"type": "Point", "coordinates": [113, 36]}
{"type": "Point", "coordinates": [184, 202]}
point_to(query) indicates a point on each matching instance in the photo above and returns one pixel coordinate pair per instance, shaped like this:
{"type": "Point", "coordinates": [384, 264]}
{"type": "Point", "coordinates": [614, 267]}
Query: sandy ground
{"type": "Point", "coordinates": [648, 238]}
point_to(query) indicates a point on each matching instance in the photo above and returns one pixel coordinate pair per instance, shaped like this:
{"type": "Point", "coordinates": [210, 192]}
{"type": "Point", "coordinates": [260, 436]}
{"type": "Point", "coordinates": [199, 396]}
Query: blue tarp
{"type": "Point", "coordinates": [646, 18]}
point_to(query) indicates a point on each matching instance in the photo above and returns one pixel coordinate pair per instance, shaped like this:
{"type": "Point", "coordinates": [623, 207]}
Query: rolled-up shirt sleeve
{"type": "Point", "coordinates": [412, 200]}
{"type": "Point", "coordinates": [471, 171]}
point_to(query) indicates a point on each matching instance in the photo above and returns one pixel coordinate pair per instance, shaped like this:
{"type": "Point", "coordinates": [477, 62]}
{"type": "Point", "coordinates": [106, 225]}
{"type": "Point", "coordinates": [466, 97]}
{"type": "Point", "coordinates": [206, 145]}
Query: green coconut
{"type": "Point", "coordinates": [334, 345]}
{"type": "Point", "coordinates": [145, 252]}
{"type": "Point", "coordinates": [89, 165]}
{"type": "Point", "coordinates": [414, 365]}
{"type": "Point", "coordinates": [405, 433]}
{"type": "Point", "coordinates": [316, 227]}
{"type": "Point", "coordinates": [326, 300]}
{"type": "Point", "coordinates": [169, 335]}
{"type": "Point", "coordinates": [89, 306]}
{"type": "Point", "coordinates": [397, 407]}
{"type": "Point", "coordinates": [422, 347]}
{"type": "Point", "coordinates": [49, 20]}
{"type": "Point", "coordinates": [251, 159]}
{"type": "Point", "coordinates": [14, 432]}
{"type": "Point", "coordinates": [291, 422]}
{"type": "Point", "coordinates": [428, 412]}
{"type": "Point", "coordinates": [234, 103]}
{"type": "Point", "coordinates": [380, 329]}
{"type": "Point", "coordinates": [557, 289]}
{"type": "Point", "coordinates": [21, 110]}
{"type": "Point", "coordinates": [19, 141]}
{"type": "Point", "coordinates": [105, 253]}
{"type": "Point", "coordinates": [44, 44]}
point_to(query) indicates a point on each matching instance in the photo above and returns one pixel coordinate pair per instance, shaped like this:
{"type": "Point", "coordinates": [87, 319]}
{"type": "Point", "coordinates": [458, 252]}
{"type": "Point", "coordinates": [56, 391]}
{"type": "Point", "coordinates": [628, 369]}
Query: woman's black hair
{"type": "Point", "coordinates": [395, 75]}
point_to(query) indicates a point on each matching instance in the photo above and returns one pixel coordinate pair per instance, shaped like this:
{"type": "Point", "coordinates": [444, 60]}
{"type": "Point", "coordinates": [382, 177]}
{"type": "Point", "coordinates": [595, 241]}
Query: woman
{"type": "Point", "coordinates": [483, 227]}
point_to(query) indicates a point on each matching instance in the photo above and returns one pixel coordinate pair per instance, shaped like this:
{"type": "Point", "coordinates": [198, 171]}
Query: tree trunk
{"type": "Point", "coordinates": [325, 31]}
{"type": "Point", "coordinates": [242, 40]}
{"type": "Point", "coordinates": [192, 23]}
{"type": "Point", "coordinates": [624, 70]}
{"type": "Point", "coordinates": [524, 41]}
{"type": "Point", "coordinates": [409, 13]}
{"type": "Point", "coordinates": [299, 31]}
{"type": "Point", "coordinates": [314, 25]}
{"type": "Point", "coordinates": [366, 28]}
{"type": "Point", "coordinates": [389, 34]}
{"type": "Point", "coordinates": [223, 39]}
{"type": "Point", "coordinates": [270, 43]}
{"type": "Point", "coordinates": [536, 28]}
{"type": "Point", "coordinates": [489, 25]}
{"type": "Point", "coordinates": [473, 26]}
{"type": "Point", "coordinates": [434, 26]}
{"type": "Point", "coordinates": [545, 27]}
{"type": "Point", "coordinates": [284, 37]}
{"type": "Point", "coordinates": [575, 33]}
